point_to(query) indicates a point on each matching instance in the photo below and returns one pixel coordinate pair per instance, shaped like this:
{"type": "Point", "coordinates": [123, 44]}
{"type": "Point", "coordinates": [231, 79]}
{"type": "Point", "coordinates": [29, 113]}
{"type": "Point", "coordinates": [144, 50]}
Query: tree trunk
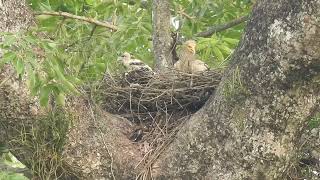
{"type": "Point", "coordinates": [251, 128]}
{"type": "Point", "coordinates": [161, 38]}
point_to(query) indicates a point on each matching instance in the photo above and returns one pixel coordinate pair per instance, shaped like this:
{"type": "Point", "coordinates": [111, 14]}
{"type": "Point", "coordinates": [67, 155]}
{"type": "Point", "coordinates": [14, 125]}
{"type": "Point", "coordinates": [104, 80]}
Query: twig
{"type": "Point", "coordinates": [81, 18]}
{"type": "Point", "coordinates": [181, 12]}
{"type": "Point", "coordinates": [222, 27]}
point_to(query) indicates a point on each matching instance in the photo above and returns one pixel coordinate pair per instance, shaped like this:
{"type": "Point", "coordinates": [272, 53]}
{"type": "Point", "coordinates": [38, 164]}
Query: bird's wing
{"type": "Point", "coordinates": [198, 66]}
{"type": "Point", "coordinates": [136, 62]}
{"type": "Point", "coordinates": [139, 64]}
{"type": "Point", "coordinates": [201, 63]}
{"type": "Point", "coordinates": [181, 66]}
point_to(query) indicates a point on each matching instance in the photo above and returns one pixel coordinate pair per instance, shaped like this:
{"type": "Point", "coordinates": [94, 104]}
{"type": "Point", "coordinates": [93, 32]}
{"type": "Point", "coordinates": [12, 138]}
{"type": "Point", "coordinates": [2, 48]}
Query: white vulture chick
{"type": "Point", "coordinates": [187, 59]}
{"type": "Point", "coordinates": [133, 64]}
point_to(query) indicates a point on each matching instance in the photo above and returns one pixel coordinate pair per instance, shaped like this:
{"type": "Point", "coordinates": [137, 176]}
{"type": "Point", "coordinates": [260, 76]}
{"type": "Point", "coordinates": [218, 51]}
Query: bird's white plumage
{"type": "Point", "coordinates": [188, 62]}
{"type": "Point", "coordinates": [133, 64]}
{"type": "Point", "coordinates": [198, 66]}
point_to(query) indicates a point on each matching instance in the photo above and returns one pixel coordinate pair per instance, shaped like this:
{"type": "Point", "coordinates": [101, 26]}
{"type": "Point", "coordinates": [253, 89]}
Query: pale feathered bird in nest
{"type": "Point", "coordinates": [133, 64]}
{"type": "Point", "coordinates": [187, 59]}
{"type": "Point", "coordinates": [135, 69]}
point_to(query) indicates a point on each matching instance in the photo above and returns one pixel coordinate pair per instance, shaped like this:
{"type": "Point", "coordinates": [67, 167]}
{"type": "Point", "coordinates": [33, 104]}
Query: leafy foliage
{"type": "Point", "coordinates": [59, 54]}
{"type": "Point", "coordinates": [10, 160]}
{"type": "Point", "coordinates": [216, 49]}
{"type": "Point", "coordinates": [12, 176]}
{"type": "Point", "coordinates": [7, 159]}
{"type": "Point", "coordinates": [43, 63]}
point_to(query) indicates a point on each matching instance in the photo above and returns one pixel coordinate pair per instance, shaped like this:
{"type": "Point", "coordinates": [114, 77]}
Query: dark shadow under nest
{"type": "Point", "coordinates": [157, 103]}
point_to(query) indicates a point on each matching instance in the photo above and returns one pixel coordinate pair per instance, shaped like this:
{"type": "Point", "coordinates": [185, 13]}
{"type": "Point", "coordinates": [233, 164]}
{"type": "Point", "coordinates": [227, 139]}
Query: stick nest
{"type": "Point", "coordinates": [159, 103]}
{"type": "Point", "coordinates": [139, 95]}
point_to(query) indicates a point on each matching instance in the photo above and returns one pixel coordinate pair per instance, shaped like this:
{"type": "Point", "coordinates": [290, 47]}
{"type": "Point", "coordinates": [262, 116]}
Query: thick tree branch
{"type": "Point", "coordinates": [221, 27]}
{"type": "Point", "coordinates": [81, 18]}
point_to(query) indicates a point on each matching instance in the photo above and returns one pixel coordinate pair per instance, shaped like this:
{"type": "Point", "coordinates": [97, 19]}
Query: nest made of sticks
{"type": "Point", "coordinates": [140, 95]}
{"type": "Point", "coordinates": [159, 103]}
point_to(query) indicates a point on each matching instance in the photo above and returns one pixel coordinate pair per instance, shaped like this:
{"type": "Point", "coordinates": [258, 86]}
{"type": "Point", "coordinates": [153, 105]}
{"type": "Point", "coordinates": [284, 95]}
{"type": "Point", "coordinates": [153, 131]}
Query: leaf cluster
{"type": "Point", "coordinates": [7, 159]}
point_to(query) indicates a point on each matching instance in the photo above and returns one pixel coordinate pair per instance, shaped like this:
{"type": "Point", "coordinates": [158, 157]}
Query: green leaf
{"type": "Point", "coordinates": [218, 54]}
{"type": "Point", "coordinates": [90, 2]}
{"type": "Point", "coordinates": [7, 57]}
{"type": "Point", "coordinates": [61, 99]}
{"type": "Point", "coordinates": [231, 41]}
{"type": "Point", "coordinates": [52, 45]}
{"type": "Point", "coordinates": [101, 67]}
{"type": "Point", "coordinates": [225, 49]}
{"type": "Point", "coordinates": [9, 40]}
{"type": "Point", "coordinates": [70, 87]}
{"type": "Point", "coordinates": [45, 6]}
{"type": "Point", "coordinates": [7, 158]}
{"type": "Point", "coordinates": [64, 80]}
{"type": "Point", "coordinates": [12, 161]}
{"type": "Point", "coordinates": [31, 39]}
{"type": "Point", "coordinates": [19, 66]}
{"type": "Point", "coordinates": [12, 176]}
{"type": "Point", "coordinates": [35, 83]}
{"type": "Point", "coordinates": [48, 23]}
{"type": "Point", "coordinates": [44, 95]}
{"type": "Point", "coordinates": [74, 80]}
{"type": "Point", "coordinates": [32, 78]}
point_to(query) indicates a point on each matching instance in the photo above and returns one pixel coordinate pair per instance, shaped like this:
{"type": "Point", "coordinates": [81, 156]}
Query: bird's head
{"type": "Point", "coordinates": [191, 46]}
{"type": "Point", "coordinates": [125, 56]}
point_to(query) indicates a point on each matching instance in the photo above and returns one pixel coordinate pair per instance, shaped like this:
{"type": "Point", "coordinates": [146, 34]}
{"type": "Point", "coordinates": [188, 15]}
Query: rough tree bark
{"type": "Point", "coordinates": [161, 38]}
{"type": "Point", "coordinates": [251, 128]}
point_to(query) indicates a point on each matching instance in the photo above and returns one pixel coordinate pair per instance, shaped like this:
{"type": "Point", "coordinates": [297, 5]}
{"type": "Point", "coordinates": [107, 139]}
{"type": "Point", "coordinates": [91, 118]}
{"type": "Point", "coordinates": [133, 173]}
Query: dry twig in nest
{"type": "Point", "coordinates": [139, 95]}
